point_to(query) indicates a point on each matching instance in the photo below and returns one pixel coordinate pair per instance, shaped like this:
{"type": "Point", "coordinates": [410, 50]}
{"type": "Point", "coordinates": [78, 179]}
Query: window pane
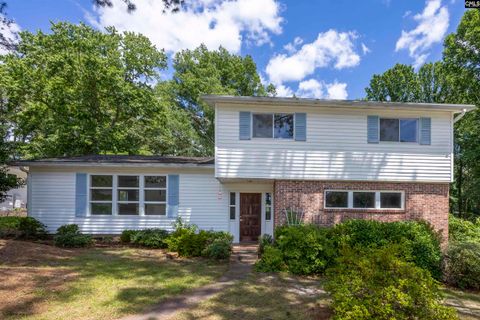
{"type": "Point", "coordinates": [336, 199]}
{"type": "Point", "coordinates": [155, 182]}
{"type": "Point", "coordinates": [232, 198]}
{"type": "Point", "coordinates": [155, 195]}
{"type": "Point", "coordinates": [268, 213]}
{"type": "Point", "coordinates": [128, 208]}
{"type": "Point", "coordinates": [101, 194]}
{"type": "Point", "coordinates": [232, 213]}
{"type": "Point", "coordinates": [155, 209]}
{"type": "Point", "coordinates": [364, 199]}
{"type": "Point", "coordinates": [408, 130]}
{"type": "Point", "coordinates": [128, 181]}
{"type": "Point", "coordinates": [101, 181]}
{"type": "Point", "coordinates": [262, 125]}
{"type": "Point", "coordinates": [388, 129]}
{"type": "Point", "coordinates": [391, 200]}
{"type": "Point", "coordinates": [127, 195]}
{"type": "Point", "coordinates": [268, 199]}
{"type": "Point", "coordinates": [101, 208]}
{"type": "Point", "coordinates": [284, 126]}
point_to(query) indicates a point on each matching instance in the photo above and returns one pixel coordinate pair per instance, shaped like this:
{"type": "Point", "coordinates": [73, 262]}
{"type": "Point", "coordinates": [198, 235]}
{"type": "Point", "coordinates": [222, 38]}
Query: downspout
{"type": "Point", "coordinates": [460, 116]}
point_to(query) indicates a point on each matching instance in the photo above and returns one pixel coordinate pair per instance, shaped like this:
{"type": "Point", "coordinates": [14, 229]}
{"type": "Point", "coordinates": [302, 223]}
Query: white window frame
{"type": "Point", "coordinates": [273, 125]}
{"type": "Point", "coordinates": [115, 202]}
{"type": "Point", "coordinates": [269, 206]}
{"type": "Point", "coordinates": [399, 129]}
{"type": "Point", "coordinates": [377, 200]}
{"type": "Point", "coordinates": [118, 188]}
{"type": "Point", "coordinates": [230, 205]}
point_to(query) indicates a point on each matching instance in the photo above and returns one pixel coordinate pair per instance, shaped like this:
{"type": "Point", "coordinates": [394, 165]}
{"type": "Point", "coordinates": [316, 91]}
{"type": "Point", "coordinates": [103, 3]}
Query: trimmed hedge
{"type": "Point", "coordinates": [150, 238]}
{"type": "Point", "coordinates": [69, 236]}
{"type": "Point", "coordinates": [21, 227]}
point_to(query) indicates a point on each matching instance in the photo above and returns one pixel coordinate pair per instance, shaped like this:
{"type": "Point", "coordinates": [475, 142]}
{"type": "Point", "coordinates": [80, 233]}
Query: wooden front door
{"type": "Point", "coordinates": [250, 216]}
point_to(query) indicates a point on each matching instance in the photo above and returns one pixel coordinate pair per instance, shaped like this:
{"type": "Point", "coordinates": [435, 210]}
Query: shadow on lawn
{"type": "Point", "coordinates": [126, 278]}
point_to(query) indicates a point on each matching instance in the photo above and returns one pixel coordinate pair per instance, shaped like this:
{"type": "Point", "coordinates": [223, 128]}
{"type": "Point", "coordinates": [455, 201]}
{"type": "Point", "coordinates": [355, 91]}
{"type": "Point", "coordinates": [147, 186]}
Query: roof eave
{"type": "Point", "coordinates": [108, 164]}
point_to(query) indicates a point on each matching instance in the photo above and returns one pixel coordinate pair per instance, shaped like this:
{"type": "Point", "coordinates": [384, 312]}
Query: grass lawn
{"type": "Point", "coordinates": [44, 282]}
{"type": "Point", "coordinates": [264, 296]}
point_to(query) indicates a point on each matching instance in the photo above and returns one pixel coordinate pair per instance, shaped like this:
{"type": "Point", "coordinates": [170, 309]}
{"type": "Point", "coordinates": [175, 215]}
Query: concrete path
{"type": "Point", "coordinates": [241, 262]}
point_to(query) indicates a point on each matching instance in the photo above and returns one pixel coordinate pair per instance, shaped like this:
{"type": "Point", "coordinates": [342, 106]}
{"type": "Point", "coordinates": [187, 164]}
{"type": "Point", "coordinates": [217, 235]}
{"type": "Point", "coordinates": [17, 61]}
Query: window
{"type": "Point", "coordinates": [268, 206]}
{"type": "Point", "coordinates": [336, 199]}
{"type": "Point", "coordinates": [268, 125]}
{"type": "Point", "coordinates": [128, 195]}
{"type": "Point", "coordinates": [232, 206]}
{"type": "Point", "coordinates": [155, 195]}
{"type": "Point", "coordinates": [398, 130]}
{"type": "Point", "coordinates": [364, 199]}
{"type": "Point", "coordinates": [101, 191]}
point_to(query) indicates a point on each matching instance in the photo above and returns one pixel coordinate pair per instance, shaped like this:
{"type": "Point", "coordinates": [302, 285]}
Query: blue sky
{"type": "Point", "coordinates": [321, 49]}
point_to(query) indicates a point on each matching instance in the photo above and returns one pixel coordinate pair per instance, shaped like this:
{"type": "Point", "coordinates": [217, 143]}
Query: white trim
{"type": "Point", "coordinates": [377, 200]}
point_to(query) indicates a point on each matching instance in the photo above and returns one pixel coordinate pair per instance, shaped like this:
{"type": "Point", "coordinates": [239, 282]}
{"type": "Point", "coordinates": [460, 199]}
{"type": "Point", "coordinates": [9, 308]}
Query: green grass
{"type": "Point", "coordinates": [108, 283]}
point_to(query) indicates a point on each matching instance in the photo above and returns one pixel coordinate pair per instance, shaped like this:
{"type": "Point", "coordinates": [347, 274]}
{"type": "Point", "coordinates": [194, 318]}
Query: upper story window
{"type": "Point", "coordinates": [399, 130]}
{"type": "Point", "coordinates": [273, 125]}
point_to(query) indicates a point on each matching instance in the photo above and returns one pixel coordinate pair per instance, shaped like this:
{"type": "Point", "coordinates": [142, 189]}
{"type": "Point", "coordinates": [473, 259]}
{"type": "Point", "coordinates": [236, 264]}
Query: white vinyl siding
{"type": "Point", "coordinates": [336, 148]}
{"type": "Point", "coordinates": [203, 200]}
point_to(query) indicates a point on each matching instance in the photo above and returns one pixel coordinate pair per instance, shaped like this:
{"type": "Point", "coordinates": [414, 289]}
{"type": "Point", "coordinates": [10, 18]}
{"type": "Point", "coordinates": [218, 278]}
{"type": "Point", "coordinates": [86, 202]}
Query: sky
{"type": "Point", "coordinates": [326, 49]}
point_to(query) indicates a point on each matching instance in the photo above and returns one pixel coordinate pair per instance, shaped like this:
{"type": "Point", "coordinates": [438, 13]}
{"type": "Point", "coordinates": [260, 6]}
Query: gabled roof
{"type": "Point", "coordinates": [112, 160]}
{"type": "Point", "coordinates": [212, 100]}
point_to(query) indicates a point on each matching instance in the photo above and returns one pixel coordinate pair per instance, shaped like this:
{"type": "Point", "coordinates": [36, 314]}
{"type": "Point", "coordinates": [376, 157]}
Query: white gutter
{"type": "Point", "coordinates": [460, 116]}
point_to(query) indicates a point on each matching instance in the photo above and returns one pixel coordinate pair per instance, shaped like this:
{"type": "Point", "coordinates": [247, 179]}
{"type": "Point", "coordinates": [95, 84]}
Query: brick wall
{"type": "Point", "coordinates": [427, 201]}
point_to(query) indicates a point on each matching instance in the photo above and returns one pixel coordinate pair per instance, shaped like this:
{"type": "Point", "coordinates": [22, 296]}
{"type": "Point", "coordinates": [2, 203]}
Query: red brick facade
{"type": "Point", "coordinates": [427, 201]}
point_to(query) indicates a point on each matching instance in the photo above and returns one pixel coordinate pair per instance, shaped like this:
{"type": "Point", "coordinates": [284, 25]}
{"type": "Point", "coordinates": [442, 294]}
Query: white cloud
{"type": "Point", "coordinates": [330, 48]}
{"type": "Point", "coordinates": [283, 91]}
{"type": "Point", "coordinates": [292, 46]}
{"type": "Point", "coordinates": [312, 88]}
{"type": "Point", "coordinates": [431, 29]}
{"type": "Point", "coordinates": [9, 31]}
{"type": "Point", "coordinates": [365, 49]}
{"type": "Point", "coordinates": [212, 22]}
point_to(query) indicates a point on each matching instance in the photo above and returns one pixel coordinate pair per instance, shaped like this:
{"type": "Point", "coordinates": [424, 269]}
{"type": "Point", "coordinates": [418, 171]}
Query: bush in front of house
{"type": "Point", "coordinates": [21, 227]}
{"type": "Point", "coordinates": [462, 265]}
{"type": "Point", "coordinates": [150, 238]}
{"type": "Point", "coordinates": [218, 249]}
{"type": "Point", "coordinates": [69, 236]}
{"type": "Point", "coordinates": [418, 242]}
{"type": "Point", "coordinates": [264, 241]}
{"type": "Point", "coordinates": [463, 230]}
{"type": "Point", "coordinates": [379, 284]}
{"type": "Point", "coordinates": [271, 261]}
{"type": "Point", "coordinates": [127, 235]}
{"type": "Point", "coordinates": [306, 249]}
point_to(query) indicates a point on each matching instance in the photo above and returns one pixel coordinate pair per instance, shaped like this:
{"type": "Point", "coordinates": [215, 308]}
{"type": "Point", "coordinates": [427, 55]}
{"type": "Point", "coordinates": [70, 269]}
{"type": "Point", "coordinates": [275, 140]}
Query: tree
{"type": "Point", "coordinates": [462, 58]}
{"type": "Point", "coordinates": [80, 91]}
{"type": "Point", "coordinates": [199, 72]}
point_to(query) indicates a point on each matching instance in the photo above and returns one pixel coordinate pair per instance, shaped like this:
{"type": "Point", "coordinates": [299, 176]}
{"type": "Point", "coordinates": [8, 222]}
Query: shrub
{"type": "Point", "coordinates": [69, 236]}
{"type": "Point", "coordinates": [462, 265]}
{"type": "Point", "coordinates": [219, 249]}
{"type": "Point", "coordinates": [151, 238]}
{"type": "Point", "coordinates": [263, 241]}
{"type": "Point", "coordinates": [463, 230]}
{"type": "Point", "coordinates": [379, 284]}
{"type": "Point", "coordinates": [127, 235]}
{"type": "Point", "coordinates": [272, 260]}
{"type": "Point", "coordinates": [417, 240]}
{"type": "Point", "coordinates": [21, 227]}
{"type": "Point", "coordinates": [306, 249]}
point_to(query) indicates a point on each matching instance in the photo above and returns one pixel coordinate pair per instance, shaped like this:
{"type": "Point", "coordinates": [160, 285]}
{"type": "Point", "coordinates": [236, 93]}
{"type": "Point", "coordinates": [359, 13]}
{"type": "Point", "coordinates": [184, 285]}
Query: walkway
{"type": "Point", "coordinates": [241, 262]}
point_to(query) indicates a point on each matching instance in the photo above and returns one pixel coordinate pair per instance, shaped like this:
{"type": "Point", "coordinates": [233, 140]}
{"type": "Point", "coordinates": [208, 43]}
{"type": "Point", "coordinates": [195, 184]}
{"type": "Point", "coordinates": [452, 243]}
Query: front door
{"type": "Point", "coordinates": [250, 216]}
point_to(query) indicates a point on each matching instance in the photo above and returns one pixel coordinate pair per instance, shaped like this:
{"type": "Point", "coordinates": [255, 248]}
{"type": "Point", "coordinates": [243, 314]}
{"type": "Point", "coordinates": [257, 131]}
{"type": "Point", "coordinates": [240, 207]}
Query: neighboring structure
{"type": "Point", "coordinates": [16, 200]}
{"type": "Point", "coordinates": [325, 160]}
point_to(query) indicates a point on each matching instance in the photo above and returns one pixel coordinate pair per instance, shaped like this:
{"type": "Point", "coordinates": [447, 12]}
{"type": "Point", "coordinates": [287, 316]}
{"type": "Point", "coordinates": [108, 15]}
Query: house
{"type": "Point", "coordinates": [16, 199]}
{"type": "Point", "coordinates": [326, 161]}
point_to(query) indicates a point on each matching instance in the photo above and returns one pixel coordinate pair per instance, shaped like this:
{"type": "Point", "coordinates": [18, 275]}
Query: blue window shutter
{"type": "Point", "coordinates": [372, 130]}
{"type": "Point", "coordinates": [425, 131]}
{"type": "Point", "coordinates": [173, 195]}
{"type": "Point", "coordinates": [81, 195]}
{"type": "Point", "coordinates": [300, 126]}
{"type": "Point", "coordinates": [244, 125]}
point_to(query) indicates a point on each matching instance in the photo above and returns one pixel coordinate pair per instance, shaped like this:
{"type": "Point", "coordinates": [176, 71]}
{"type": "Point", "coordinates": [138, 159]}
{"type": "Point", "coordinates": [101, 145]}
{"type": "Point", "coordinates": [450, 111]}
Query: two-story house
{"type": "Point", "coordinates": [324, 160]}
